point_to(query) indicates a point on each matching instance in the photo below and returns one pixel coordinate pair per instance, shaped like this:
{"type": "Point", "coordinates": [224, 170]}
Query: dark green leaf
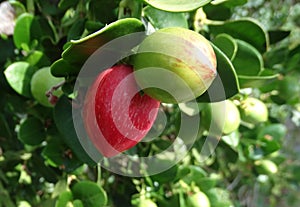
{"type": "Point", "coordinates": [265, 78]}
{"type": "Point", "coordinates": [79, 51]}
{"type": "Point", "coordinates": [227, 44]}
{"type": "Point", "coordinates": [248, 61]}
{"type": "Point", "coordinates": [218, 12]}
{"type": "Point", "coordinates": [66, 4]}
{"type": "Point", "coordinates": [64, 122]}
{"type": "Point", "coordinates": [161, 19]}
{"type": "Point", "coordinates": [278, 35]}
{"type": "Point", "coordinates": [62, 68]}
{"type": "Point", "coordinates": [248, 30]}
{"type": "Point", "coordinates": [177, 5]}
{"type": "Point", "coordinates": [103, 10]}
{"type": "Point", "coordinates": [90, 193]}
{"type": "Point", "coordinates": [76, 30]}
{"type": "Point", "coordinates": [225, 84]}
{"type": "Point", "coordinates": [6, 49]}
{"type": "Point", "coordinates": [18, 76]}
{"type": "Point", "coordinates": [32, 131]}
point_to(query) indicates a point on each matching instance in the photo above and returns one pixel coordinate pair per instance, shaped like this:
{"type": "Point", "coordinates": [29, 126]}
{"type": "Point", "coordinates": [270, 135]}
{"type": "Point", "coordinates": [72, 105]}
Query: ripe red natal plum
{"type": "Point", "coordinates": [183, 52]}
{"type": "Point", "coordinates": [116, 116]}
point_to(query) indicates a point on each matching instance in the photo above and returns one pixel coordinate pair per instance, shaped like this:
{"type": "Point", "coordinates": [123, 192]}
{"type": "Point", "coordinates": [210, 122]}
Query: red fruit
{"type": "Point", "coordinates": [116, 116]}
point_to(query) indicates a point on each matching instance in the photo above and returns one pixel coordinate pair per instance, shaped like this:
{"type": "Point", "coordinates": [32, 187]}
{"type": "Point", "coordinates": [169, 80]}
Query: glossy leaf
{"type": "Point", "coordinates": [18, 76]}
{"type": "Point", "coordinates": [218, 12]}
{"type": "Point", "coordinates": [265, 78]}
{"type": "Point", "coordinates": [225, 85]}
{"type": "Point", "coordinates": [248, 61]}
{"type": "Point", "coordinates": [79, 50]}
{"type": "Point", "coordinates": [64, 122]}
{"type": "Point", "coordinates": [22, 32]}
{"type": "Point", "coordinates": [227, 44]}
{"type": "Point", "coordinates": [229, 3]}
{"type": "Point", "coordinates": [161, 19]}
{"type": "Point", "coordinates": [177, 5]}
{"type": "Point", "coordinates": [90, 193]}
{"type": "Point", "coordinates": [248, 30]}
{"type": "Point", "coordinates": [32, 131]}
{"type": "Point", "coordinates": [62, 68]}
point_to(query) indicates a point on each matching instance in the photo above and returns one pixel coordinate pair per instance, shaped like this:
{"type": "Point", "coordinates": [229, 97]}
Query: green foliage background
{"type": "Point", "coordinates": [257, 44]}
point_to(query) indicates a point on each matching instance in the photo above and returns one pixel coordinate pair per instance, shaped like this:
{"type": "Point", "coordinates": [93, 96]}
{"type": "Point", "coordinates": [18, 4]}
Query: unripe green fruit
{"type": "Point", "coordinates": [253, 111]}
{"type": "Point", "coordinates": [178, 65]}
{"type": "Point", "coordinates": [265, 167]}
{"type": "Point", "coordinates": [41, 82]}
{"type": "Point", "coordinates": [198, 199]}
{"type": "Point", "coordinates": [226, 118]}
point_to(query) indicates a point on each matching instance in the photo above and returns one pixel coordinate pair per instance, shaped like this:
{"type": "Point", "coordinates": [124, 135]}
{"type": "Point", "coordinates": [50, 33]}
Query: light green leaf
{"type": "Point", "coordinates": [18, 76]}
{"type": "Point", "coordinates": [161, 19]}
{"type": "Point", "coordinates": [177, 5]}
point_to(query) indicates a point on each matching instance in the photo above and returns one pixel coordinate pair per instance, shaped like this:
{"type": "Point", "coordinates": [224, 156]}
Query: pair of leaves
{"type": "Point", "coordinates": [243, 42]}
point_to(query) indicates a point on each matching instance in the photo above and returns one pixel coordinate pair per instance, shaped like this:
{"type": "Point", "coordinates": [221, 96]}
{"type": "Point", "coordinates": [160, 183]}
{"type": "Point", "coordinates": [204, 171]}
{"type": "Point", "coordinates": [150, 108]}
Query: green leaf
{"type": "Point", "coordinates": [232, 139]}
{"type": "Point", "coordinates": [103, 10]}
{"type": "Point", "coordinates": [266, 77]}
{"type": "Point", "coordinates": [32, 131]}
{"type": "Point", "coordinates": [22, 32]}
{"type": "Point", "coordinates": [79, 50]}
{"type": "Point", "coordinates": [161, 19]}
{"type": "Point", "coordinates": [177, 5]}
{"type": "Point", "coordinates": [18, 76]}
{"type": "Point", "coordinates": [64, 122]}
{"type": "Point", "coordinates": [90, 193]}
{"type": "Point", "coordinates": [227, 44]}
{"type": "Point", "coordinates": [274, 132]}
{"type": "Point", "coordinates": [229, 3]}
{"type": "Point", "coordinates": [5, 131]}
{"type": "Point", "coordinates": [38, 59]}
{"type": "Point", "coordinates": [225, 84]}
{"type": "Point", "coordinates": [65, 4]}
{"type": "Point", "coordinates": [248, 61]}
{"type": "Point", "coordinates": [64, 199]}
{"type": "Point", "coordinates": [218, 12]}
{"type": "Point", "coordinates": [57, 154]}
{"type": "Point", "coordinates": [248, 30]}
{"type": "Point", "coordinates": [278, 35]}
{"type": "Point", "coordinates": [62, 68]}
{"type": "Point", "coordinates": [76, 30]}
{"type": "Point", "coordinates": [78, 203]}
